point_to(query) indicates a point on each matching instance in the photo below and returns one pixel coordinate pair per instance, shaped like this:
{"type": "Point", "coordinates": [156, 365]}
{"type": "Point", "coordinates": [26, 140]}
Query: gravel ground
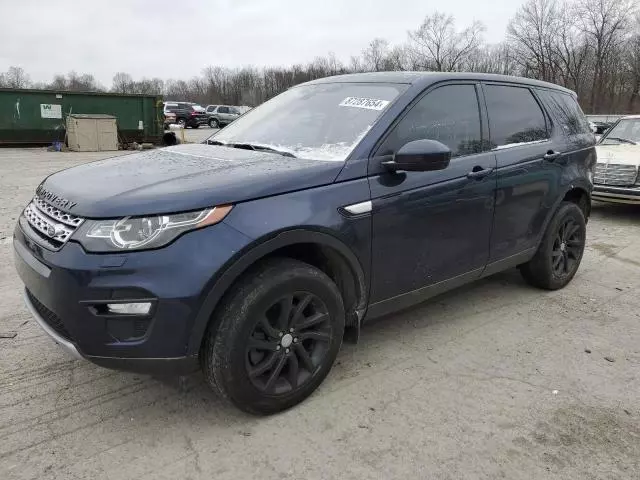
{"type": "Point", "coordinates": [494, 380]}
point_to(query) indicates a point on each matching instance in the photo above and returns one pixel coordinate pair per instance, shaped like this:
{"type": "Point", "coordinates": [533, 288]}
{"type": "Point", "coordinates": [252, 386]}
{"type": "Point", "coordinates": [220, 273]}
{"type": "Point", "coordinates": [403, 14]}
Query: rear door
{"type": "Point", "coordinates": [574, 129]}
{"type": "Point", "coordinates": [433, 226]}
{"type": "Point", "coordinates": [528, 167]}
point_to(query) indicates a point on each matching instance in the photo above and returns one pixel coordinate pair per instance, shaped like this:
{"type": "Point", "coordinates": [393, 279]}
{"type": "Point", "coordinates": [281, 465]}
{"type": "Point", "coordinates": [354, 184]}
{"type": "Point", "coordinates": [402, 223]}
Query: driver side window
{"type": "Point", "coordinates": [448, 114]}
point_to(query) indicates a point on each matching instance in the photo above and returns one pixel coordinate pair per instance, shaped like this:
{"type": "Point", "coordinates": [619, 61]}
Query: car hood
{"type": "Point", "coordinates": [625, 154]}
{"type": "Point", "coordinates": [180, 178]}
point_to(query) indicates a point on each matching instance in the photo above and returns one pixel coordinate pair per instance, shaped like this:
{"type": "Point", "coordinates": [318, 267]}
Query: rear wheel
{"type": "Point", "coordinates": [213, 123]}
{"type": "Point", "coordinates": [278, 335]}
{"type": "Point", "coordinates": [560, 251]}
{"type": "Point", "coordinates": [195, 125]}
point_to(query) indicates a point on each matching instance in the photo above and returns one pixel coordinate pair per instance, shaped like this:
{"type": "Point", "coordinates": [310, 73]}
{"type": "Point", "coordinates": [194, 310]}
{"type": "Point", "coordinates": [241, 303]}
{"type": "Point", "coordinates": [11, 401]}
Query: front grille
{"type": "Point", "coordinates": [51, 318]}
{"type": "Point", "coordinates": [54, 225]}
{"type": "Point", "coordinates": [615, 174]}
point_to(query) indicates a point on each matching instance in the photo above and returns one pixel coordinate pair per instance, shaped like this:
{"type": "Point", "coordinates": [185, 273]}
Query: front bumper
{"type": "Point", "coordinates": [66, 345]}
{"type": "Point", "coordinates": [65, 291]}
{"type": "Point", "coordinates": [604, 193]}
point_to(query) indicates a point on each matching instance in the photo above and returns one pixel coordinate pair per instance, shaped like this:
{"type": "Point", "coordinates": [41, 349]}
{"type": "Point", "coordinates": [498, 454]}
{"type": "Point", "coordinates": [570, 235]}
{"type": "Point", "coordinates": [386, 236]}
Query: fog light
{"type": "Point", "coordinates": [136, 308]}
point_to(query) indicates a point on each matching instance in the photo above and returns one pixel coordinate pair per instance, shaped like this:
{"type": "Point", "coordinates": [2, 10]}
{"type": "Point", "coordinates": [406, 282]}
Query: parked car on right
{"type": "Point", "coordinates": [616, 177]}
{"type": "Point", "coordinates": [221, 115]}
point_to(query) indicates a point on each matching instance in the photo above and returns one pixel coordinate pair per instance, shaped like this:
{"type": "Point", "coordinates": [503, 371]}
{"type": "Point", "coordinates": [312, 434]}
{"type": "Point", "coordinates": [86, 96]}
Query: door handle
{"type": "Point", "coordinates": [550, 156]}
{"type": "Point", "coordinates": [479, 172]}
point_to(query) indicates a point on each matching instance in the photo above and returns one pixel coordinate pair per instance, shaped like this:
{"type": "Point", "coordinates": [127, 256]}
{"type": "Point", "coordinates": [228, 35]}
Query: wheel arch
{"type": "Point", "coordinates": [322, 250]}
{"type": "Point", "coordinates": [577, 193]}
{"type": "Point", "coordinates": [581, 197]}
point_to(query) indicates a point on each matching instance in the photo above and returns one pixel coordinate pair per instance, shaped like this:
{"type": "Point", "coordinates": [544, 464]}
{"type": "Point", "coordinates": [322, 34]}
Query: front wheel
{"type": "Point", "coordinates": [278, 334]}
{"type": "Point", "coordinates": [560, 251]}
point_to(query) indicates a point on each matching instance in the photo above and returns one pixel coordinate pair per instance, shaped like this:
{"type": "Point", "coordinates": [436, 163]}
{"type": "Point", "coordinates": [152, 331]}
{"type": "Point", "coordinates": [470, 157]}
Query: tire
{"type": "Point", "coordinates": [182, 122]}
{"type": "Point", "coordinates": [213, 123]}
{"type": "Point", "coordinates": [195, 125]}
{"type": "Point", "coordinates": [560, 251]}
{"type": "Point", "coordinates": [253, 359]}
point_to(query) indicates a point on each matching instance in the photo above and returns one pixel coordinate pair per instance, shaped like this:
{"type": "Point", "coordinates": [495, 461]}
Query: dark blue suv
{"type": "Point", "coordinates": [253, 254]}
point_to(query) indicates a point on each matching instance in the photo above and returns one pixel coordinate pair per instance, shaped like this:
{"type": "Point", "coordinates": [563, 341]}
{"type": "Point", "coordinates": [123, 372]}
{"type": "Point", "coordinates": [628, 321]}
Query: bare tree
{"type": "Point", "coordinates": [498, 59]}
{"type": "Point", "coordinates": [534, 36]}
{"type": "Point", "coordinates": [122, 83]}
{"type": "Point", "coordinates": [574, 58]}
{"type": "Point", "coordinates": [633, 69]}
{"type": "Point", "coordinates": [605, 24]}
{"type": "Point", "coordinates": [374, 55]}
{"type": "Point", "coordinates": [149, 86]}
{"type": "Point", "coordinates": [440, 46]}
{"type": "Point", "coordinates": [16, 77]}
{"type": "Point", "coordinates": [74, 82]}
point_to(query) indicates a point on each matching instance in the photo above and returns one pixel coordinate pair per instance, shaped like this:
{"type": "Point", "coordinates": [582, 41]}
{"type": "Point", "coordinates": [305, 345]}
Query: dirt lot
{"type": "Point", "coordinates": [491, 381]}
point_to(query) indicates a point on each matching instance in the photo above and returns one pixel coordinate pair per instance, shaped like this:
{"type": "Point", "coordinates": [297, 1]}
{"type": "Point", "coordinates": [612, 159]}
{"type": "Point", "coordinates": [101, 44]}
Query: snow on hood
{"type": "Point", "coordinates": [625, 154]}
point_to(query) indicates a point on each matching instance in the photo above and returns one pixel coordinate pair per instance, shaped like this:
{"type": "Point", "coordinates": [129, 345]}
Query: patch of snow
{"type": "Point", "coordinates": [331, 152]}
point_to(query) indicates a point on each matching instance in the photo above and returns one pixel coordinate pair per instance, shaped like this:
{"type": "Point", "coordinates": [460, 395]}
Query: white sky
{"type": "Point", "coordinates": [177, 39]}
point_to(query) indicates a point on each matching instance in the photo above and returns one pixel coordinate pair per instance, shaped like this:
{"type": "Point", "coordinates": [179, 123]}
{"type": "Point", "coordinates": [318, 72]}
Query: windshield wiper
{"type": "Point", "coordinates": [623, 140]}
{"type": "Point", "coordinates": [251, 146]}
{"type": "Point", "coordinates": [261, 148]}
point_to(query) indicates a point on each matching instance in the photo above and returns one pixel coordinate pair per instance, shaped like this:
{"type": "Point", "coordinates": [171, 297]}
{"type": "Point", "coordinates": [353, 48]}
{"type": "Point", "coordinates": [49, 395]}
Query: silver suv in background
{"type": "Point", "coordinates": [221, 115]}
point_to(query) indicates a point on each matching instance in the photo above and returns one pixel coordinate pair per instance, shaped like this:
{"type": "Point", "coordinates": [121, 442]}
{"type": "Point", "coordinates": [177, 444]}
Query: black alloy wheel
{"type": "Point", "coordinates": [274, 338]}
{"type": "Point", "coordinates": [560, 251]}
{"type": "Point", "coordinates": [288, 344]}
{"type": "Point", "coordinates": [567, 248]}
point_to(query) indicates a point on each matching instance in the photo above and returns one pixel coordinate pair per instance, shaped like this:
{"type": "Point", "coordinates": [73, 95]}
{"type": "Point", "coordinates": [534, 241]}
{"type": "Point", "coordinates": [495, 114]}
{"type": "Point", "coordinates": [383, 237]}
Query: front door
{"type": "Point", "coordinates": [429, 227]}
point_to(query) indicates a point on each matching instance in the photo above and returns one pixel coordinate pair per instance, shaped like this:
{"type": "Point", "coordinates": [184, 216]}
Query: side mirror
{"type": "Point", "coordinates": [420, 156]}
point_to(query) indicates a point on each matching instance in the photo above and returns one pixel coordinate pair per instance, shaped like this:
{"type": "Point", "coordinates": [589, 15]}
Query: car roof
{"type": "Point", "coordinates": [427, 78]}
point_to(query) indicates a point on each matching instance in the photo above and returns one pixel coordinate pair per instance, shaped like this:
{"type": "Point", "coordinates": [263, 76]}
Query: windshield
{"type": "Point", "coordinates": [626, 131]}
{"type": "Point", "coordinates": [320, 122]}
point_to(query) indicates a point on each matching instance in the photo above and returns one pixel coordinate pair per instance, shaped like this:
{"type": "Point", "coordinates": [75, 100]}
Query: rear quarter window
{"type": "Point", "coordinates": [567, 113]}
{"type": "Point", "coordinates": [515, 117]}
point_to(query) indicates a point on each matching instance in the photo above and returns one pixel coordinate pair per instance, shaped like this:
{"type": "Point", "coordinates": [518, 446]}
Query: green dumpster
{"type": "Point", "coordinates": [38, 117]}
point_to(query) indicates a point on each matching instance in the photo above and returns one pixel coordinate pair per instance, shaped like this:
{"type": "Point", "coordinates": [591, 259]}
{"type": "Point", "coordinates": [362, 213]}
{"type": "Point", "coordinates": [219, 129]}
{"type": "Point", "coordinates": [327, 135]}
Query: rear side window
{"type": "Point", "coordinates": [565, 109]}
{"type": "Point", "coordinates": [223, 109]}
{"type": "Point", "coordinates": [448, 114]}
{"type": "Point", "coordinates": [211, 108]}
{"type": "Point", "coordinates": [515, 116]}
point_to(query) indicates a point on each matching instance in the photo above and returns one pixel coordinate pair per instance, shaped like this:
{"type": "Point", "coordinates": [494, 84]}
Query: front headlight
{"type": "Point", "coordinates": [143, 233]}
